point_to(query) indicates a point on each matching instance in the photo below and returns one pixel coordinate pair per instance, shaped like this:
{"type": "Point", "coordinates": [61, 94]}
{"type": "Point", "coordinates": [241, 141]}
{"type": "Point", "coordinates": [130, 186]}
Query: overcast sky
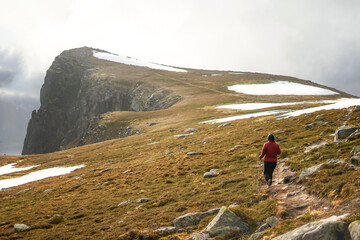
{"type": "Point", "coordinates": [313, 40]}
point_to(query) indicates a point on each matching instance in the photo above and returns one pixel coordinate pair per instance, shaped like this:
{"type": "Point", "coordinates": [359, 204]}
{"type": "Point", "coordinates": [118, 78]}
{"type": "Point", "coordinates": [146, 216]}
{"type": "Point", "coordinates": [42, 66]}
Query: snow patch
{"type": "Point", "coordinates": [245, 116]}
{"type": "Point", "coordinates": [280, 88]}
{"type": "Point", "coordinates": [134, 62]}
{"type": "Point", "coordinates": [11, 169]}
{"type": "Point", "coordinates": [38, 175]}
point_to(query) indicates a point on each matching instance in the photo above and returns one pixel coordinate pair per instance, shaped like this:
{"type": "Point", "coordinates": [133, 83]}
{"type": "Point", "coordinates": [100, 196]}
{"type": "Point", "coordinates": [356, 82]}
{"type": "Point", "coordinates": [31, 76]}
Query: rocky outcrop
{"type": "Point", "coordinates": [325, 229]}
{"type": "Point", "coordinates": [76, 91]}
{"type": "Point", "coordinates": [344, 132]}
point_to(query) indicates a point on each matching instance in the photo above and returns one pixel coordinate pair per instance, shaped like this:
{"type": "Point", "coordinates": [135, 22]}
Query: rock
{"type": "Point", "coordinates": [127, 171]}
{"type": "Point", "coordinates": [167, 152]}
{"type": "Point", "coordinates": [343, 132]}
{"type": "Point", "coordinates": [212, 173]}
{"type": "Point", "coordinates": [263, 227]}
{"type": "Point", "coordinates": [226, 222]}
{"type": "Point", "coordinates": [152, 124]}
{"type": "Point", "coordinates": [272, 221]}
{"type": "Point", "coordinates": [355, 150]}
{"type": "Point", "coordinates": [4, 223]}
{"type": "Point", "coordinates": [236, 147]}
{"type": "Point", "coordinates": [106, 170]}
{"type": "Point", "coordinates": [124, 203]}
{"type": "Point", "coordinates": [193, 219]}
{"type": "Point", "coordinates": [309, 126]}
{"type": "Point", "coordinates": [194, 153]}
{"type": "Point", "coordinates": [335, 162]}
{"type": "Point", "coordinates": [324, 229]}
{"type": "Point", "coordinates": [224, 125]}
{"type": "Point", "coordinates": [56, 219]}
{"type": "Point", "coordinates": [355, 160]}
{"type": "Point", "coordinates": [307, 172]}
{"type": "Point", "coordinates": [143, 200]}
{"type": "Point", "coordinates": [172, 130]}
{"type": "Point", "coordinates": [190, 130]}
{"type": "Point", "coordinates": [354, 229]}
{"type": "Point", "coordinates": [323, 133]}
{"type": "Point", "coordinates": [20, 227]}
{"type": "Point", "coordinates": [357, 109]}
{"type": "Point", "coordinates": [199, 236]}
{"type": "Point", "coordinates": [183, 135]}
{"type": "Point", "coordinates": [166, 230]}
{"type": "Point", "coordinates": [24, 191]}
{"type": "Point", "coordinates": [319, 118]}
{"type": "Point", "coordinates": [256, 235]}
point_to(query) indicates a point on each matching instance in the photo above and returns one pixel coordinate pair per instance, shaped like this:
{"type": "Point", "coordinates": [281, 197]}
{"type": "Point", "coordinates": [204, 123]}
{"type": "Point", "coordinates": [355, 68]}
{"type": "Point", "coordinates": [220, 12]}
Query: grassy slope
{"type": "Point", "coordinates": [88, 198]}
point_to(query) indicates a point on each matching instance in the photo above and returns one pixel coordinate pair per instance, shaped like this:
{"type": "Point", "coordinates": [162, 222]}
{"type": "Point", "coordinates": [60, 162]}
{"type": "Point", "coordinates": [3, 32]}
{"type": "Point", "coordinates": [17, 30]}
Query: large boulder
{"type": "Point", "coordinates": [343, 132]}
{"type": "Point", "coordinates": [193, 219]}
{"type": "Point", "coordinates": [326, 229]}
{"type": "Point", "coordinates": [354, 229]}
{"type": "Point", "coordinates": [226, 222]}
{"type": "Point", "coordinates": [309, 171]}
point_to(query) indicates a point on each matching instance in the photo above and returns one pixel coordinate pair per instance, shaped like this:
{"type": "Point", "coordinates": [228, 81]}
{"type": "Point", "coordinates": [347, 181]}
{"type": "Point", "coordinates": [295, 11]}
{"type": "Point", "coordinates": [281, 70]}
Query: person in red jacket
{"type": "Point", "coordinates": [270, 150]}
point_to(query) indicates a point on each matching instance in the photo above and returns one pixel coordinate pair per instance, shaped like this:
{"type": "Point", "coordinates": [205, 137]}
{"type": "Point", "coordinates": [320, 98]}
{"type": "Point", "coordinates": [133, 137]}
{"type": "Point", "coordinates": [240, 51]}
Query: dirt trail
{"type": "Point", "coordinates": [293, 200]}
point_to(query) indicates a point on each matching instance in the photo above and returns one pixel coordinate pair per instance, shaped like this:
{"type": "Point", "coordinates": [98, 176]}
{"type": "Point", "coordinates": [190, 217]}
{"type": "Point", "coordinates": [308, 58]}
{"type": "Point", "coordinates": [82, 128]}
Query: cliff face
{"type": "Point", "coordinates": [74, 93]}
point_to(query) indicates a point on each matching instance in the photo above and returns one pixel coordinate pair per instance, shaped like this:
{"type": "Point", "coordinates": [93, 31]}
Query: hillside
{"type": "Point", "coordinates": [133, 186]}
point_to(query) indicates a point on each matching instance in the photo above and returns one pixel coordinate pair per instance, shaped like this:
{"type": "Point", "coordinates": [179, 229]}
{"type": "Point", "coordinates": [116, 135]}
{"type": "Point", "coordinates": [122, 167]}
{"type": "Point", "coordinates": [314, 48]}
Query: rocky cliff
{"type": "Point", "coordinates": [76, 91]}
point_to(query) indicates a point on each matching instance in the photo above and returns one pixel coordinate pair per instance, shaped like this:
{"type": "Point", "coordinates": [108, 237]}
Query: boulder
{"type": "Point", "coordinates": [226, 222]}
{"type": "Point", "coordinates": [355, 160]}
{"type": "Point", "coordinates": [357, 109]}
{"type": "Point", "coordinates": [354, 229]}
{"type": "Point", "coordinates": [309, 126]}
{"type": "Point", "coordinates": [20, 227]}
{"type": "Point", "coordinates": [309, 171]}
{"type": "Point", "coordinates": [324, 229]}
{"type": "Point", "coordinates": [343, 132]}
{"type": "Point", "coordinates": [212, 173]}
{"type": "Point", "coordinates": [192, 219]}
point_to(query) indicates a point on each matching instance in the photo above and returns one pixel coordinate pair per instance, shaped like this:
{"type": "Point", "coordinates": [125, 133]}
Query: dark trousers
{"type": "Point", "coordinates": [269, 169]}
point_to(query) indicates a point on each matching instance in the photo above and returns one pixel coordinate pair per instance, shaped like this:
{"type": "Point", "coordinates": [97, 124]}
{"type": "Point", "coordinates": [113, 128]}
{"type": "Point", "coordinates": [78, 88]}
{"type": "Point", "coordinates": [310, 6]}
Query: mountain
{"type": "Point", "coordinates": [79, 87]}
{"type": "Point", "coordinates": [76, 91]}
{"type": "Point", "coordinates": [188, 168]}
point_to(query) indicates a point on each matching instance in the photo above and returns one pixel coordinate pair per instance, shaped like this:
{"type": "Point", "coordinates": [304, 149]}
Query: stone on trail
{"type": "Point", "coordinates": [193, 219]}
{"type": "Point", "coordinates": [20, 227]}
{"type": "Point", "coordinates": [354, 229]}
{"type": "Point", "coordinates": [309, 171]}
{"type": "Point", "coordinates": [226, 222]}
{"type": "Point", "coordinates": [212, 173]}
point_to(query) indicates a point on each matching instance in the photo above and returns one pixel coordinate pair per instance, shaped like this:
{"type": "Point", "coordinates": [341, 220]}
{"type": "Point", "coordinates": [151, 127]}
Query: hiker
{"type": "Point", "coordinates": [270, 150]}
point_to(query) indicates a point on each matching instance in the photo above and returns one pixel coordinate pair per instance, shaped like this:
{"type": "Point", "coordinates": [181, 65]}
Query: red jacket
{"type": "Point", "coordinates": [270, 150]}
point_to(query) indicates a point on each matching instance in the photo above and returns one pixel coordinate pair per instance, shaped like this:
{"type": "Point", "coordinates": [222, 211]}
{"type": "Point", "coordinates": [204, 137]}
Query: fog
{"type": "Point", "coordinates": [312, 40]}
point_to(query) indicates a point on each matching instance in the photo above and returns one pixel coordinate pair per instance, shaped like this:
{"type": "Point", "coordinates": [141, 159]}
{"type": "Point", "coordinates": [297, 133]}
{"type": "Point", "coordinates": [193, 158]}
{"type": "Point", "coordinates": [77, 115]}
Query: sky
{"type": "Point", "coordinates": [312, 40]}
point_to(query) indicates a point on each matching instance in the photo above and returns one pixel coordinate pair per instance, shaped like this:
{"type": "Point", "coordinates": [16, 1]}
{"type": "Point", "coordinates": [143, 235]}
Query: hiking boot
{"type": "Point", "coordinates": [269, 182]}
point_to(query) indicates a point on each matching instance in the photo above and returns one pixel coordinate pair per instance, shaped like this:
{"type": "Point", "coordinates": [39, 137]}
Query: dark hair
{"type": "Point", "coordinates": [271, 137]}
